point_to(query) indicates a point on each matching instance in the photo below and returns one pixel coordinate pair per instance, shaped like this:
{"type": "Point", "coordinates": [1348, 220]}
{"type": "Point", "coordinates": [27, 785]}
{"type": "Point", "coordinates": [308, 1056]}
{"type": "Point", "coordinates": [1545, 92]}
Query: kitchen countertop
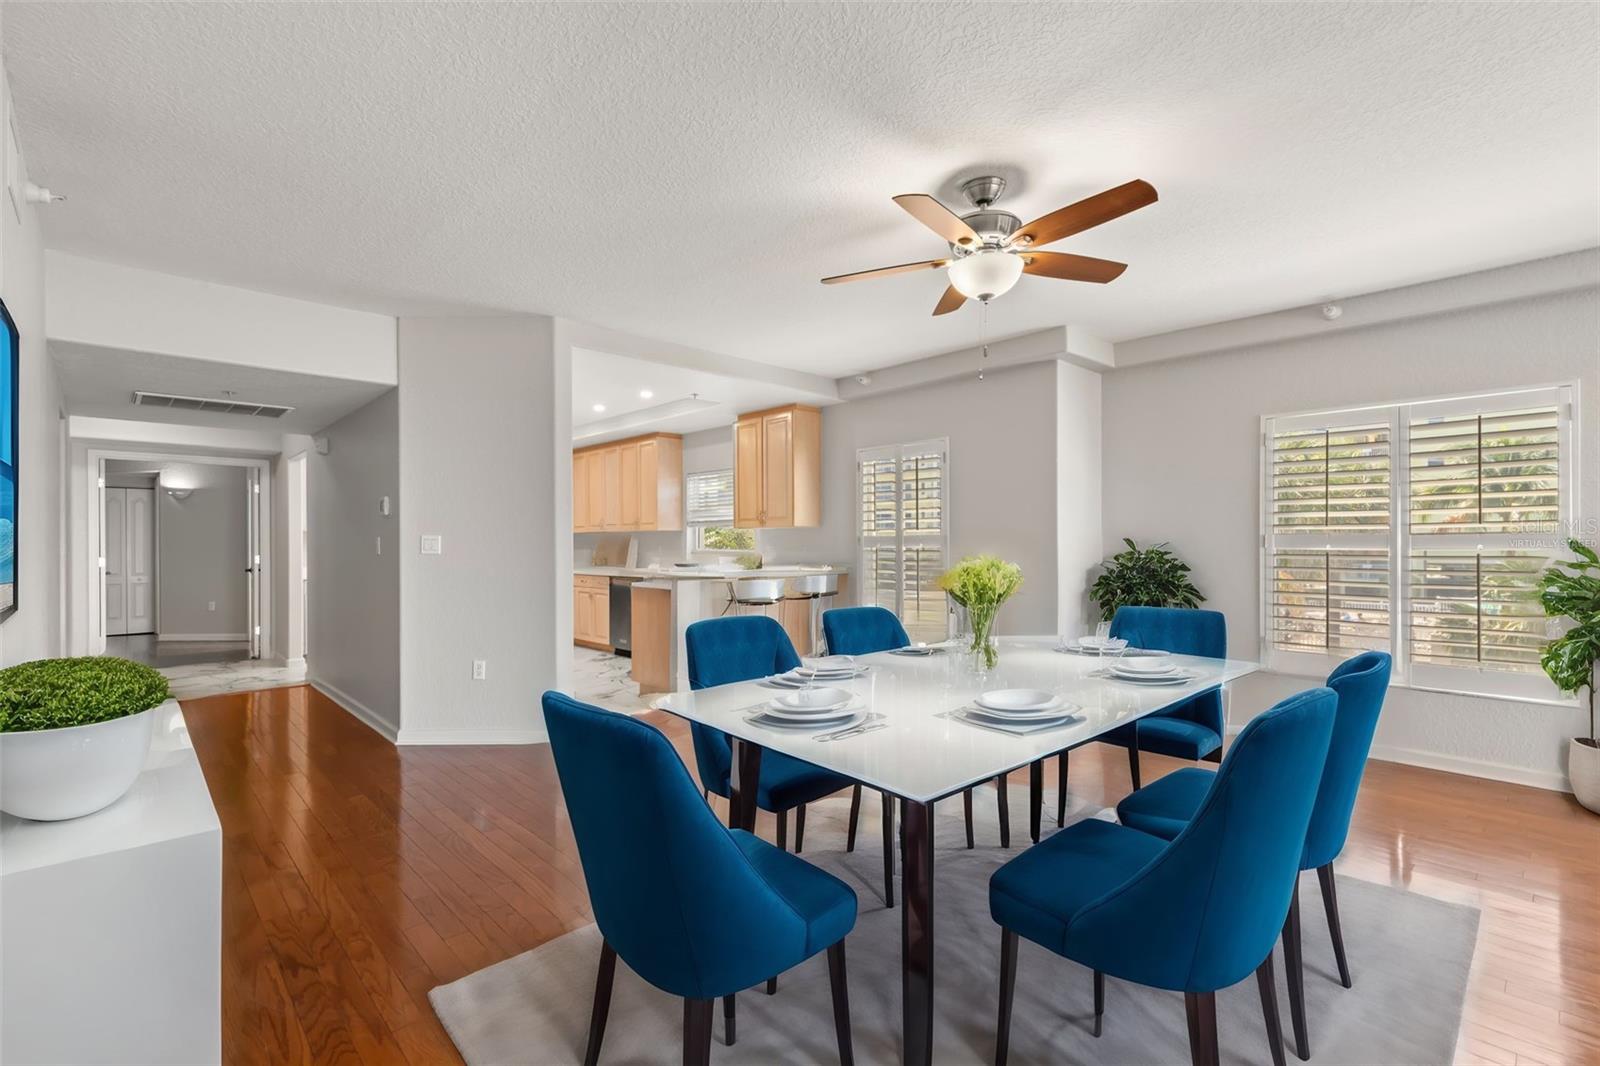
{"type": "Point", "coordinates": [674, 573]}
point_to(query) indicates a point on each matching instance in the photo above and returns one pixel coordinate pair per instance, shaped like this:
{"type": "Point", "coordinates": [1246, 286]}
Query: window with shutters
{"type": "Point", "coordinates": [904, 538]}
{"type": "Point", "coordinates": [1420, 529]}
{"type": "Point", "coordinates": [708, 514]}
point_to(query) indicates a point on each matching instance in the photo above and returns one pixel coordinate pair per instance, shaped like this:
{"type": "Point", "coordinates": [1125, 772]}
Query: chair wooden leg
{"type": "Point", "coordinates": [1330, 903]}
{"type": "Point", "coordinates": [602, 1003]}
{"type": "Point", "coordinates": [966, 809]}
{"type": "Point", "coordinates": [783, 830]}
{"type": "Point", "coordinates": [697, 1031]}
{"type": "Point", "coordinates": [799, 828]}
{"type": "Point", "coordinates": [841, 1003]}
{"type": "Point", "coordinates": [1202, 1011]}
{"type": "Point", "coordinates": [1294, 970]}
{"type": "Point", "coordinates": [1267, 983]}
{"type": "Point", "coordinates": [888, 851]}
{"type": "Point", "coordinates": [727, 1020]}
{"type": "Point", "coordinates": [772, 986]}
{"type": "Point", "coordinates": [1133, 765]}
{"type": "Point", "coordinates": [1099, 1000]}
{"type": "Point", "coordinates": [1005, 810]}
{"type": "Point", "coordinates": [855, 817]}
{"type": "Point", "coordinates": [1035, 798]}
{"type": "Point", "coordinates": [1061, 789]}
{"type": "Point", "coordinates": [1008, 988]}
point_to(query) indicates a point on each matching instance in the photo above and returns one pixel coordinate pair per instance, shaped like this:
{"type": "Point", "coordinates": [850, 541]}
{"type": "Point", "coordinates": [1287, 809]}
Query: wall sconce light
{"type": "Point", "coordinates": [179, 494]}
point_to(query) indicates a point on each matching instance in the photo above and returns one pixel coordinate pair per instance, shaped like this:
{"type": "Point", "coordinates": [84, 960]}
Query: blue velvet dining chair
{"type": "Point", "coordinates": [1192, 729]}
{"type": "Point", "coordinates": [863, 631]}
{"type": "Point", "coordinates": [1124, 903]}
{"type": "Point", "coordinates": [697, 910]}
{"type": "Point", "coordinates": [1165, 807]}
{"type": "Point", "coordinates": [746, 648]}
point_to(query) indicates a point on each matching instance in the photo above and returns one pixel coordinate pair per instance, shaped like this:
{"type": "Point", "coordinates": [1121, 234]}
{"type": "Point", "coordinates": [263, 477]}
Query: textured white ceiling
{"type": "Point", "coordinates": [689, 172]}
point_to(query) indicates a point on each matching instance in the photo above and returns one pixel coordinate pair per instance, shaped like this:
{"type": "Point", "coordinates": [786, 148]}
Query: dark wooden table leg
{"type": "Point", "coordinates": [1035, 797]}
{"type": "Point", "coordinates": [746, 772]}
{"type": "Point", "coordinates": [888, 850]}
{"type": "Point", "coordinates": [1005, 810]}
{"type": "Point", "coordinates": [916, 933]}
{"type": "Point", "coordinates": [855, 817]}
{"type": "Point", "coordinates": [1061, 788]}
{"type": "Point", "coordinates": [966, 810]}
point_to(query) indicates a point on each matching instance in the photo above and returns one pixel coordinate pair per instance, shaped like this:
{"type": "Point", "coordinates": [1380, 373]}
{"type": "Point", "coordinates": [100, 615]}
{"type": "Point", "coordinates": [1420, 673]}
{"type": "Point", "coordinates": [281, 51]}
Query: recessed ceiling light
{"type": "Point", "coordinates": [599, 408]}
{"type": "Point", "coordinates": [645, 394]}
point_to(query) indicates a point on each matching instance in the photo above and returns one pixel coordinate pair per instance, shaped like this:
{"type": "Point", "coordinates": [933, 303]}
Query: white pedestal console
{"type": "Point", "coordinates": [111, 925]}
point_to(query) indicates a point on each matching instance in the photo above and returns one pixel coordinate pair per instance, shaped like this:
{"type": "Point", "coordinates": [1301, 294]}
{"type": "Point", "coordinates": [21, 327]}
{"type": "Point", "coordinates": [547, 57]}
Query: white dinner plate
{"type": "Point", "coordinates": [1180, 678]}
{"type": "Point", "coordinates": [1011, 700]}
{"type": "Point", "coordinates": [812, 700]}
{"type": "Point", "coordinates": [1059, 708]}
{"type": "Point", "coordinates": [828, 664]}
{"type": "Point", "coordinates": [916, 649]}
{"type": "Point", "coordinates": [840, 718]}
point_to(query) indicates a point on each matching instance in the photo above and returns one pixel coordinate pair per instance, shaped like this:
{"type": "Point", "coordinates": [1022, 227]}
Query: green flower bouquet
{"type": "Point", "coordinates": [981, 583]}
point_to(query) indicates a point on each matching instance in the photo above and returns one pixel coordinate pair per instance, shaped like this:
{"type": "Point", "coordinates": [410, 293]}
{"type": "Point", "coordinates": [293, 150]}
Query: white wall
{"type": "Point", "coordinates": [1078, 494]}
{"type": "Point", "coordinates": [1181, 464]}
{"type": "Point", "coordinates": [35, 630]}
{"type": "Point", "coordinates": [354, 652]}
{"type": "Point", "coordinates": [201, 543]}
{"type": "Point", "coordinates": [485, 455]}
{"type": "Point", "coordinates": [121, 307]}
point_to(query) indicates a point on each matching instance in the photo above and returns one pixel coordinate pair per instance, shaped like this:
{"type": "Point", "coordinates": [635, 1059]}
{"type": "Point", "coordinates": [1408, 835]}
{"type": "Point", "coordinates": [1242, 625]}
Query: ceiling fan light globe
{"type": "Point", "coordinates": [986, 274]}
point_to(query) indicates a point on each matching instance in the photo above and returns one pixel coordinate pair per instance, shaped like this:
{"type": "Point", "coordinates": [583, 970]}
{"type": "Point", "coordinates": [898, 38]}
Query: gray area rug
{"type": "Point", "coordinates": [1409, 956]}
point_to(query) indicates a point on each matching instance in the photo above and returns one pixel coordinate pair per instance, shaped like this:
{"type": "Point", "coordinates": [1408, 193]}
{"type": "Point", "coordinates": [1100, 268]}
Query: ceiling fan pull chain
{"type": "Point", "coordinates": [983, 347]}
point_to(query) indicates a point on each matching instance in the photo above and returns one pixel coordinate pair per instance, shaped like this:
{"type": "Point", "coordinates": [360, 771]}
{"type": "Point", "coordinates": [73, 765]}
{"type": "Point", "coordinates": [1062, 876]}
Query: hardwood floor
{"type": "Point", "coordinates": [357, 876]}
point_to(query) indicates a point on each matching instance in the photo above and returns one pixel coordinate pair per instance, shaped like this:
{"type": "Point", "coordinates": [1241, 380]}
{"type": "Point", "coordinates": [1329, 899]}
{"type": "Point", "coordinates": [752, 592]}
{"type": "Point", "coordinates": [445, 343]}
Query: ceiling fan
{"type": "Point", "coordinates": [990, 249]}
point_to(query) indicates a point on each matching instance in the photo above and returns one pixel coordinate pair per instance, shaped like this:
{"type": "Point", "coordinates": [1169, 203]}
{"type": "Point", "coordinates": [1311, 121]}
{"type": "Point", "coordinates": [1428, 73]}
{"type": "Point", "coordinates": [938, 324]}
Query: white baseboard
{"type": "Point", "coordinates": [202, 636]}
{"type": "Point", "coordinates": [357, 709]}
{"type": "Point", "coordinates": [293, 664]}
{"type": "Point", "coordinates": [1493, 771]}
{"type": "Point", "coordinates": [473, 736]}
{"type": "Point", "coordinates": [1455, 764]}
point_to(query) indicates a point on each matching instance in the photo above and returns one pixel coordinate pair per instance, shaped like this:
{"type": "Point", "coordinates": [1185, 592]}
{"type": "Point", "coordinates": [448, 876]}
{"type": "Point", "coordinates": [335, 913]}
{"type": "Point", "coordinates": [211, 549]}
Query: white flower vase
{"type": "Point", "coordinates": [1583, 769]}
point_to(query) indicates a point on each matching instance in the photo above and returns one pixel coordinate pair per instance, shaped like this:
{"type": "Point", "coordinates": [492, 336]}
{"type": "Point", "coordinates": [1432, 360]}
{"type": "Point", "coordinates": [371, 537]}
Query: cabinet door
{"type": "Point", "coordinates": [594, 518]}
{"type": "Point", "coordinates": [777, 469]}
{"type": "Point", "coordinates": [600, 611]}
{"type": "Point", "coordinates": [580, 492]}
{"type": "Point", "coordinates": [649, 480]}
{"type": "Point", "coordinates": [629, 465]}
{"type": "Point", "coordinates": [747, 470]}
{"type": "Point", "coordinates": [581, 618]}
{"type": "Point", "coordinates": [611, 459]}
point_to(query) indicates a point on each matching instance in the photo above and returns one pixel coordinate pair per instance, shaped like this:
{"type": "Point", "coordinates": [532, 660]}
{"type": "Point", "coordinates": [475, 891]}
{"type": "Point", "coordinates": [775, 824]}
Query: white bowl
{"type": "Point", "coordinates": [1145, 667]}
{"type": "Point", "coordinates": [813, 699]}
{"type": "Point", "coordinates": [50, 775]}
{"type": "Point", "coordinates": [1016, 699]}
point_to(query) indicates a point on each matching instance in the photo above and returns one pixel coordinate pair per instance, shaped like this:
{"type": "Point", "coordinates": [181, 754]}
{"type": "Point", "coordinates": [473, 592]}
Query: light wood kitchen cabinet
{"type": "Point", "coordinates": [591, 610]}
{"type": "Point", "coordinates": [777, 468]}
{"type": "Point", "coordinates": [631, 485]}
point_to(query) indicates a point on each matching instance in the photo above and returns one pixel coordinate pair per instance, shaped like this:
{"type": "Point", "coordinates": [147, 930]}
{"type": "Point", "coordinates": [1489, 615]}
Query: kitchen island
{"type": "Point", "coordinates": [665, 601]}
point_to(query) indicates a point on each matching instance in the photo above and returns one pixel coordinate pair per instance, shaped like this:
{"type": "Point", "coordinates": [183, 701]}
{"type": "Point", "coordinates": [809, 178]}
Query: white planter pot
{"type": "Point", "coordinates": [1583, 768]}
{"type": "Point", "coordinates": [52, 774]}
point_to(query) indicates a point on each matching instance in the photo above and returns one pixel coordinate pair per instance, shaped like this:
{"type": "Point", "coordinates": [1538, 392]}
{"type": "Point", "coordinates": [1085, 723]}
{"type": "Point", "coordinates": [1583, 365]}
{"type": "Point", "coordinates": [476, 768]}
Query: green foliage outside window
{"type": "Point", "coordinates": [726, 539]}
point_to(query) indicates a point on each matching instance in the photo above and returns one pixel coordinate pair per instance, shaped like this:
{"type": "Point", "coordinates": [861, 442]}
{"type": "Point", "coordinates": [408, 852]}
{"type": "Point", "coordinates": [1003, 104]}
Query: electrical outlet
{"type": "Point", "coordinates": [480, 669]}
{"type": "Point", "coordinates": [211, 605]}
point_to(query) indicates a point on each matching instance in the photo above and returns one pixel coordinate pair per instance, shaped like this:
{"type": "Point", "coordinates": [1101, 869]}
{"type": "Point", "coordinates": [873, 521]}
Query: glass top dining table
{"type": "Point", "coordinates": [922, 754]}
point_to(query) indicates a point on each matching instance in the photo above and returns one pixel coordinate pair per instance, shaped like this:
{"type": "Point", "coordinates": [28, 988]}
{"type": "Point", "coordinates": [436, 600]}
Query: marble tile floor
{"type": "Point", "coordinates": [145, 648]}
{"type": "Point", "coordinates": [194, 680]}
{"type": "Point", "coordinates": [602, 679]}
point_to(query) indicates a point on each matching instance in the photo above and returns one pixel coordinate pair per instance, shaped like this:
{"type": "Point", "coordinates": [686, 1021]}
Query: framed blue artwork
{"type": "Point", "coordinates": [10, 360]}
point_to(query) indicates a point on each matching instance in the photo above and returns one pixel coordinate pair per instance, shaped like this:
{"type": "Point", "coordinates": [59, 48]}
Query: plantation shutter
{"type": "Point", "coordinates": [708, 498]}
{"type": "Point", "coordinates": [904, 540]}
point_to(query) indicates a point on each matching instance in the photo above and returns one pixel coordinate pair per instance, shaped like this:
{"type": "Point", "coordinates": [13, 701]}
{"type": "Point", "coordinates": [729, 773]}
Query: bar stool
{"type": "Point", "coordinates": [762, 592]}
{"type": "Point", "coordinates": [815, 587]}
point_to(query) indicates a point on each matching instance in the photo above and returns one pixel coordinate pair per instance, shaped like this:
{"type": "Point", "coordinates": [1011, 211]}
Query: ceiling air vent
{"type": "Point", "coordinates": [200, 403]}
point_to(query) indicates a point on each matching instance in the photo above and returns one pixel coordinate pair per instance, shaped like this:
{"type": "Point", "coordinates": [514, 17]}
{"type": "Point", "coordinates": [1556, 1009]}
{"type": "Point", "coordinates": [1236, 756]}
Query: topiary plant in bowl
{"type": "Point", "coordinates": [74, 733]}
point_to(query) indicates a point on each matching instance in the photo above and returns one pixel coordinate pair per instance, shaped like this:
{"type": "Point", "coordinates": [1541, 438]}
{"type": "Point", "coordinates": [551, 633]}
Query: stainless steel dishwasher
{"type": "Point", "coordinates": [622, 615]}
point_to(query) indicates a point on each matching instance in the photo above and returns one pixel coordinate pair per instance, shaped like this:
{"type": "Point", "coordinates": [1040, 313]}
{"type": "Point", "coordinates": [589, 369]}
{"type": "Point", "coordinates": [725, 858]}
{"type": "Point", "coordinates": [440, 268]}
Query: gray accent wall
{"type": "Point", "coordinates": [354, 628]}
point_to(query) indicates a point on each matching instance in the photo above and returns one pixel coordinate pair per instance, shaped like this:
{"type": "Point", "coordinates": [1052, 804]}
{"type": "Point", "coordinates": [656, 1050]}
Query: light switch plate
{"type": "Point", "coordinates": [432, 544]}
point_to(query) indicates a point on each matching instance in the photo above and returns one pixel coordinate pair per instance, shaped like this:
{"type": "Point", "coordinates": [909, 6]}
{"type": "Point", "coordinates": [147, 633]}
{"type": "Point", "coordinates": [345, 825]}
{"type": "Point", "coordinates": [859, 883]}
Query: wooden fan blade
{"type": "Point", "coordinates": [950, 301]}
{"type": "Point", "coordinates": [939, 218]}
{"type": "Point", "coordinates": [883, 272]}
{"type": "Point", "coordinates": [1070, 267]}
{"type": "Point", "coordinates": [1085, 214]}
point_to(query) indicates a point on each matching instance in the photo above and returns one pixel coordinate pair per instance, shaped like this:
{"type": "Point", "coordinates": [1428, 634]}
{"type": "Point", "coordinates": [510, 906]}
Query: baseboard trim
{"type": "Point", "coordinates": [356, 709]}
{"type": "Point", "coordinates": [472, 736]}
{"type": "Point", "coordinates": [202, 636]}
{"type": "Point", "coordinates": [293, 664]}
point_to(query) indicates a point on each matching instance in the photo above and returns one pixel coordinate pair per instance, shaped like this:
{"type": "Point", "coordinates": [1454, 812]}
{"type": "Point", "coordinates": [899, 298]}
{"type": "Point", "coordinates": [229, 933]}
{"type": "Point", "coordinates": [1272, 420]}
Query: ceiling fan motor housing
{"type": "Point", "coordinates": [992, 225]}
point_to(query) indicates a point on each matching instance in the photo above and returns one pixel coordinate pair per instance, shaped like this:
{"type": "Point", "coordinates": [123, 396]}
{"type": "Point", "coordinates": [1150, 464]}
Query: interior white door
{"type": "Point", "coordinates": [115, 509]}
{"type": "Point", "coordinates": [140, 566]}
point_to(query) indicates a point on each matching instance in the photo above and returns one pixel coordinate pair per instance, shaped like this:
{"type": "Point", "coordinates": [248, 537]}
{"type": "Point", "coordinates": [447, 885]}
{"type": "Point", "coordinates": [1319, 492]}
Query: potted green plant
{"type": "Point", "coordinates": [1144, 577]}
{"type": "Point", "coordinates": [1571, 590]}
{"type": "Point", "coordinates": [74, 733]}
{"type": "Point", "coordinates": [980, 584]}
